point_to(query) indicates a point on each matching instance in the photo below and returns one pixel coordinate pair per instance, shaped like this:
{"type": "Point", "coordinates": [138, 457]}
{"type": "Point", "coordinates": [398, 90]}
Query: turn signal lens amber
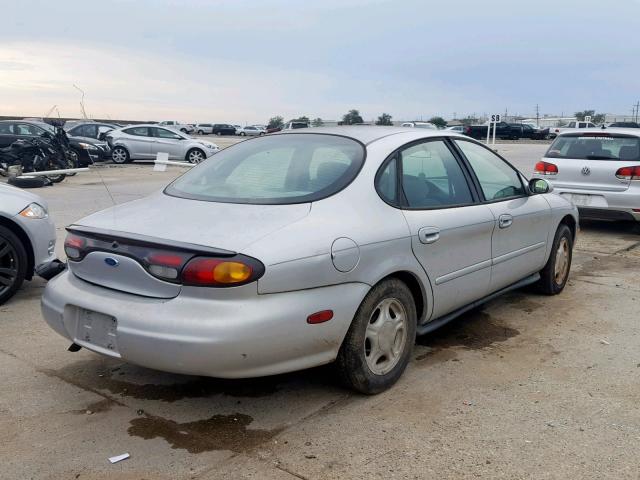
{"type": "Point", "coordinates": [231, 272]}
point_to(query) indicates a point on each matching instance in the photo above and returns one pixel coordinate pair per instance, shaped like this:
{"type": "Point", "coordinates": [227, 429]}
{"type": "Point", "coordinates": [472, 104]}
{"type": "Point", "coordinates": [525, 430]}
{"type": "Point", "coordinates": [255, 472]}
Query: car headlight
{"type": "Point", "coordinates": [34, 210]}
{"type": "Point", "coordinates": [87, 146]}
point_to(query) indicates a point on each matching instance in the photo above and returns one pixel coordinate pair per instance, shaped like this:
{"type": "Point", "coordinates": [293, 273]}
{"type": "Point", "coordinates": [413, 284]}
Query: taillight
{"type": "Point", "coordinates": [73, 246]}
{"type": "Point", "coordinates": [221, 272]}
{"type": "Point", "coordinates": [546, 168]}
{"type": "Point", "coordinates": [165, 264]}
{"type": "Point", "coordinates": [629, 173]}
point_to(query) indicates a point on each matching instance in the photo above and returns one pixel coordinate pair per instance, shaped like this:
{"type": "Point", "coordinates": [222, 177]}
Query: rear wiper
{"type": "Point", "coordinates": [600, 157]}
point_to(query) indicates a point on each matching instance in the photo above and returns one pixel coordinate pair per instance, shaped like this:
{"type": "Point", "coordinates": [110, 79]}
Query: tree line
{"type": "Point", "coordinates": [352, 117]}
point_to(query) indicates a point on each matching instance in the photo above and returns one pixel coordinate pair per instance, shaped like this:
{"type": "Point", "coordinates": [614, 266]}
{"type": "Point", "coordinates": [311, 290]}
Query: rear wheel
{"type": "Point", "coordinates": [13, 264]}
{"type": "Point", "coordinates": [120, 155]}
{"type": "Point", "coordinates": [378, 345]}
{"type": "Point", "coordinates": [555, 273]}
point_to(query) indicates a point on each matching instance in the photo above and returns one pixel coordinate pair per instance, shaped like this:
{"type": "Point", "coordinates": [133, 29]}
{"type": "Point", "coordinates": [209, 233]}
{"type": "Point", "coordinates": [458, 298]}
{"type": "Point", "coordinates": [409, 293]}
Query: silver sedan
{"type": "Point", "coordinates": [310, 247]}
{"type": "Point", "coordinates": [144, 142]}
{"type": "Point", "coordinates": [27, 239]}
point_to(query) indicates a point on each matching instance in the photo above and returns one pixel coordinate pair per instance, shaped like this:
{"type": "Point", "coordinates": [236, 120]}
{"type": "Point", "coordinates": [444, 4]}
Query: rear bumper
{"type": "Point", "coordinates": [619, 205]}
{"type": "Point", "coordinates": [236, 334]}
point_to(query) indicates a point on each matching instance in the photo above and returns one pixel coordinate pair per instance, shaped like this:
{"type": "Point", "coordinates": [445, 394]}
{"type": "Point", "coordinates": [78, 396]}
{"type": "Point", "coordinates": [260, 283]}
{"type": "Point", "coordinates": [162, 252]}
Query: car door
{"type": "Point", "coordinates": [138, 141]}
{"type": "Point", "coordinates": [522, 221]}
{"type": "Point", "coordinates": [450, 229]}
{"type": "Point", "coordinates": [7, 137]}
{"type": "Point", "coordinates": [167, 141]}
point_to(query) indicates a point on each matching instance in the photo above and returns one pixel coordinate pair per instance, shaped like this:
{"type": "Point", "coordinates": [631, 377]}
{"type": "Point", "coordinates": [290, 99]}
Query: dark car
{"type": "Point", "coordinates": [94, 130]}
{"type": "Point", "coordinates": [87, 150]}
{"type": "Point", "coordinates": [624, 125]}
{"type": "Point", "coordinates": [223, 129]}
{"type": "Point", "coordinates": [503, 131]}
{"type": "Point", "coordinates": [529, 131]}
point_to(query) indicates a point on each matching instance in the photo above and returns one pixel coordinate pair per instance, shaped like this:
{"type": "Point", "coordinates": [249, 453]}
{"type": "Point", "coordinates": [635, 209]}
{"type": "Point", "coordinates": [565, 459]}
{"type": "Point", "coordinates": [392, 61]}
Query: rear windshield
{"type": "Point", "coordinates": [595, 147]}
{"type": "Point", "coordinates": [278, 169]}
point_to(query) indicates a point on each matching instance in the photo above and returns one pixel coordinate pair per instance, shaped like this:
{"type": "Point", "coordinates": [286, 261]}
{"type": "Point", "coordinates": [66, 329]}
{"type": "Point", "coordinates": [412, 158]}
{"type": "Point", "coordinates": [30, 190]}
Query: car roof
{"type": "Point", "coordinates": [367, 134]}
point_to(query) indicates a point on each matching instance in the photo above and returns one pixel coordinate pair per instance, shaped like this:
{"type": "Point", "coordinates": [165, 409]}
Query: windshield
{"type": "Point", "coordinates": [279, 169]}
{"type": "Point", "coordinates": [595, 146]}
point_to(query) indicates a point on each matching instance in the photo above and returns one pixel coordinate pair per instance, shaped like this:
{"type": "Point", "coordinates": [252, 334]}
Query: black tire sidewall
{"type": "Point", "coordinates": [351, 362]}
{"type": "Point", "coordinates": [548, 281]}
{"type": "Point", "coordinates": [22, 261]}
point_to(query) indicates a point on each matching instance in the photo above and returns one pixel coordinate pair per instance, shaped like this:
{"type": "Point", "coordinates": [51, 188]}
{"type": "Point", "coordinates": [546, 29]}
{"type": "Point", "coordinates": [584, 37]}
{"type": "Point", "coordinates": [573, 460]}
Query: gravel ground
{"type": "Point", "coordinates": [527, 387]}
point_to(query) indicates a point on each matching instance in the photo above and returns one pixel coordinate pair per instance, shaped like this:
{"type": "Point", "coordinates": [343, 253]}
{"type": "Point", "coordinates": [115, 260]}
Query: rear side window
{"type": "Point", "coordinates": [274, 170]}
{"type": "Point", "coordinates": [595, 147]}
{"type": "Point", "coordinates": [497, 178]}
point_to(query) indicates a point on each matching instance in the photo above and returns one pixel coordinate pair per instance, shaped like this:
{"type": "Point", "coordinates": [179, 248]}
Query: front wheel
{"type": "Point", "coordinates": [119, 155]}
{"type": "Point", "coordinates": [195, 156]}
{"type": "Point", "coordinates": [378, 345]}
{"type": "Point", "coordinates": [13, 264]}
{"type": "Point", "coordinates": [555, 273]}
{"type": "Point", "coordinates": [242, 134]}
{"type": "Point", "coordinates": [200, 132]}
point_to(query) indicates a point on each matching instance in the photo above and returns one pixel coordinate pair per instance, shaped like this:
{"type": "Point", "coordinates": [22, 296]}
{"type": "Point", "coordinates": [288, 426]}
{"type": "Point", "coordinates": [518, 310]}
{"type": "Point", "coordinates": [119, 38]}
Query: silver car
{"type": "Point", "coordinates": [27, 239]}
{"type": "Point", "coordinates": [299, 249]}
{"type": "Point", "coordinates": [597, 170]}
{"type": "Point", "coordinates": [251, 131]}
{"type": "Point", "coordinates": [144, 142]}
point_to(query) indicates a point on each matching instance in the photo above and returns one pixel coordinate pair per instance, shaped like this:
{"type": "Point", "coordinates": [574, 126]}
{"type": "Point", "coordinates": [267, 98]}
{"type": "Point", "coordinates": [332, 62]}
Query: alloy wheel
{"type": "Point", "coordinates": [385, 336]}
{"type": "Point", "coordinates": [119, 155]}
{"type": "Point", "coordinates": [8, 266]}
{"type": "Point", "coordinates": [195, 156]}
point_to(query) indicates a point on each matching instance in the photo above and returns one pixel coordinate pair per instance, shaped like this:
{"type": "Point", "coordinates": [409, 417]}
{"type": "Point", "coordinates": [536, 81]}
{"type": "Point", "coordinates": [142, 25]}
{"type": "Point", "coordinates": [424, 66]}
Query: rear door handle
{"type": "Point", "coordinates": [429, 234]}
{"type": "Point", "coordinates": [505, 220]}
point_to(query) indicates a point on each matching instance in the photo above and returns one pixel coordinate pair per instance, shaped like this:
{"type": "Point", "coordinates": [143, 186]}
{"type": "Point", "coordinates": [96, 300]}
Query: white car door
{"type": "Point", "coordinates": [450, 230]}
{"type": "Point", "coordinates": [168, 141]}
{"type": "Point", "coordinates": [138, 141]}
{"type": "Point", "coordinates": [522, 221]}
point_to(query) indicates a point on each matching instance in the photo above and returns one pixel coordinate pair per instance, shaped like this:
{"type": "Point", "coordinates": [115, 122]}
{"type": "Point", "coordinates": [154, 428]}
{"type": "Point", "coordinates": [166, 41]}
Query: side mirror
{"type": "Point", "coordinates": [539, 185]}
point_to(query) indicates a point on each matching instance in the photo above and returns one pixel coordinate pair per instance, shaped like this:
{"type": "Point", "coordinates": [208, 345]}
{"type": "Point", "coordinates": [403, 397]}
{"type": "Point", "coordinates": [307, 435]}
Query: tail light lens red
{"type": "Point", "coordinates": [73, 246]}
{"type": "Point", "coordinates": [176, 266]}
{"type": "Point", "coordinates": [546, 168]}
{"type": "Point", "coordinates": [629, 173]}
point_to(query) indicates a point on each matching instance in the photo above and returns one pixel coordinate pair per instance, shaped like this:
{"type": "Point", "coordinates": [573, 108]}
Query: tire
{"type": "Point", "coordinates": [120, 155]}
{"type": "Point", "coordinates": [56, 178]}
{"type": "Point", "coordinates": [200, 132]}
{"type": "Point", "coordinates": [13, 264]}
{"type": "Point", "coordinates": [359, 352]}
{"type": "Point", "coordinates": [183, 130]}
{"type": "Point", "coordinates": [219, 133]}
{"type": "Point", "coordinates": [554, 275]}
{"type": "Point", "coordinates": [195, 155]}
{"type": "Point", "coordinates": [32, 182]}
{"type": "Point", "coordinates": [242, 134]}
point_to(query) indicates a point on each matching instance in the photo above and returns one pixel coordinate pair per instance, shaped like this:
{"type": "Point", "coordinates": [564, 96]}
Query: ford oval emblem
{"type": "Point", "coordinates": [112, 262]}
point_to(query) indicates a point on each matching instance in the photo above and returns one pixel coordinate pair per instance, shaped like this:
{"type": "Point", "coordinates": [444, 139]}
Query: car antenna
{"type": "Point", "coordinates": [105, 187]}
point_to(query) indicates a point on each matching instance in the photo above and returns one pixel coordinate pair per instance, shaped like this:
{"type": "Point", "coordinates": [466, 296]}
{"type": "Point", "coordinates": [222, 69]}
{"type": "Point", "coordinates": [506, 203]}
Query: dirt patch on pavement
{"type": "Point", "coordinates": [220, 432]}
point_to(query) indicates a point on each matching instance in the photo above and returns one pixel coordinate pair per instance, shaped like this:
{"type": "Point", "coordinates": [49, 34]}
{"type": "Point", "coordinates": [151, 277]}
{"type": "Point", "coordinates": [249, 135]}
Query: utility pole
{"type": "Point", "coordinates": [636, 107]}
{"type": "Point", "coordinates": [505, 114]}
{"type": "Point", "coordinates": [537, 115]}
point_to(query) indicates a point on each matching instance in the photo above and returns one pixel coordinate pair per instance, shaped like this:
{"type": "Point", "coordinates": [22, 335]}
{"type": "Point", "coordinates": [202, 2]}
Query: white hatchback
{"type": "Point", "coordinates": [597, 170]}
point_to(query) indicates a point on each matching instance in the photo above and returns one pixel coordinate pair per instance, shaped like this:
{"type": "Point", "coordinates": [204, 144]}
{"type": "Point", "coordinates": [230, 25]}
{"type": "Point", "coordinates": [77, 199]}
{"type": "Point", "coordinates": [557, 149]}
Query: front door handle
{"type": "Point", "coordinates": [429, 234]}
{"type": "Point", "coordinates": [505, 220]}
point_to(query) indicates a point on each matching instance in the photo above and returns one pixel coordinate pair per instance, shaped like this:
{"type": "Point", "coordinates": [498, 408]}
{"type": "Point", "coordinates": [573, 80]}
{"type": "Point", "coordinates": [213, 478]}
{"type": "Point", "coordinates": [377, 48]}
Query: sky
{"type": "Point", "coordinates": [244, 61]}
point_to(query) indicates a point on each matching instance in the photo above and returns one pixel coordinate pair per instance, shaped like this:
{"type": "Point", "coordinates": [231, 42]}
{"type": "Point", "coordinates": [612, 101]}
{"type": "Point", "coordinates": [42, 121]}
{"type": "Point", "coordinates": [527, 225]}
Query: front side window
{"type": "Point", "coordinates": [498, 180]}
{"type": "Point", "coordinates": [432, 177]}
{"type": "Point", "coordinates": [282, 169]}
{"type": "Point", "coordinates": [137, 131]}
{"type": "Point", "coordinates": [26, 129]}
